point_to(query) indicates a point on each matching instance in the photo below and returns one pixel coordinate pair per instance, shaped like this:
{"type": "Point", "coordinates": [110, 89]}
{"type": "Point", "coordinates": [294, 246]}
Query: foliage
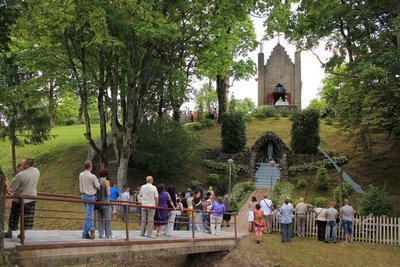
{"type": "Point", "coordinates": [301, 183]}
{"type": "Point", "coordinates": [263, 112]}
{"type": "Point", "coordinates": [233, 132]}
{"type": "Point", "coordinates": [281, 190]}
{"type": "Point", "coordinates": [244, 106]}
{"type": "Point", "coordinates": [312, 166]}
{"type": "Point", "coordinates": [375, 201]}
{"type": "Point", "coordinates": [223, 166]}
{"type": "Point", "coordinates": [362, 88]}
{"type": "Point", "coordinates": [194, 184]}
{"type": "Point", "coordinates": [240, 190]}
{"type": "Point", "coordinates": [162, 145]}
{"type": "Point", "coordinates": [317, 104]}
{"type": "Point", "coordinates": [213, 180]}
{"type": "Point", "coordinates": [206, 100]}
{"type": "Point", "coordinates": [201, 124]}
{"type": "Point", "coordinates": [305, 132]}
{"type": "Point", "coordinates": [224, 183]}
{"type": "Point", "coordinates": [329, 120]}
{"type": "Point", "coordinates": [318, 200]}
{"type": "Point", "coordinates": [346, 192]}
{"type": "Point", "coordinates": [322, 178]}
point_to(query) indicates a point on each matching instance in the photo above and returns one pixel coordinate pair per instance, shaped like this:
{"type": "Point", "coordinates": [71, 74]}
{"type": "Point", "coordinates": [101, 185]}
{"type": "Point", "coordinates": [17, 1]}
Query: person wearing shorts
{"type": "Point", "coordinates": [346, 214]}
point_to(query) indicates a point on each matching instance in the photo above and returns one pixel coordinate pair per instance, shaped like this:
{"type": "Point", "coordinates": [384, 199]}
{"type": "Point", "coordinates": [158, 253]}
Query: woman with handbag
{"type": "Point", "coordinates": [320, 219]}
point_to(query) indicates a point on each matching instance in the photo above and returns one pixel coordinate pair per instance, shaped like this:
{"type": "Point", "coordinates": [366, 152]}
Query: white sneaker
{"type": "Point", "coordinates": [111, 237]}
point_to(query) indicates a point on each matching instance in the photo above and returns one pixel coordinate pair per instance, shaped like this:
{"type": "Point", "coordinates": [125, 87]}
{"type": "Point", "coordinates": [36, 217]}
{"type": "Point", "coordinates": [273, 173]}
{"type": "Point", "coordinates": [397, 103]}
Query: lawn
{"type": "Point", "coordinates": [309, 252]}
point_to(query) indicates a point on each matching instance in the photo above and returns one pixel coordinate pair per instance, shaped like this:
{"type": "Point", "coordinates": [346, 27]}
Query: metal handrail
{"type": "Point", "coordinates": [76, 199]}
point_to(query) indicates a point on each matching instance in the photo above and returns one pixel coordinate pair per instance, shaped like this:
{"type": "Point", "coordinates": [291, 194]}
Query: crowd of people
{"type": "Point", "coordinates": [262, 214]}
{"type": "Point", "coordinates": [161, 207]}
{"type": "Point", "coordinates": [158, 207]}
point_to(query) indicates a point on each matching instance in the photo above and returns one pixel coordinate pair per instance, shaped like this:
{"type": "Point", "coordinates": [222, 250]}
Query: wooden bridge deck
{"type": "Point", "coordinates": [65, 247]}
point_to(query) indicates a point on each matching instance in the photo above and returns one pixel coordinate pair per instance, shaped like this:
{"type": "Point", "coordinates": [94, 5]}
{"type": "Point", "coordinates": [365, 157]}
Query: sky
{"type": "Point", "coordinates": [311, 71]}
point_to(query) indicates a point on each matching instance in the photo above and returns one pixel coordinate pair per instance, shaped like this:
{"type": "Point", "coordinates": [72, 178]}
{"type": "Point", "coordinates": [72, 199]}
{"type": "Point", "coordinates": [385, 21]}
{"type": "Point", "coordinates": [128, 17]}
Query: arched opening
{"type": "Point", "coordinates": [279, 93]}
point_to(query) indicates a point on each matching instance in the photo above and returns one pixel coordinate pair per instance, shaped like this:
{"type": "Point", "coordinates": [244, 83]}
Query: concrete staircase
{"type": "Point", "coordinates": [267, 175]}
{"type": "Point", "coordinates": [112, 171]}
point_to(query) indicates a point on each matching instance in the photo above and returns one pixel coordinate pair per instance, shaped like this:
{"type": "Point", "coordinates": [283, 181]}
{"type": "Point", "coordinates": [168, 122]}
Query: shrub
{"type": "Point", "coordinates": [329, 121]}
{"type": "Point", "coordinates": [223, 166]}
{"type": "Point", "coordinates": [281, 190]}
{"type": "Point", "coordinates": [301, 183]}
{"type": "Point", "coordinates": [318, 200]}
{"type": "Point", "coordinates": [305, 132]}
{"type": "Point", "coordinates": [199, 125]}
{"type": "Point", "coordinates": [322, 178]}
{"type": "Point", "coordinates": [213, 180]}
{"type": "Point", "coordinates": [312, 166]}
{"type": "Point", "coordinates": [346, 192]}
{"type": "Point", "coordinates": [263, 112]}
{"type": "Point", "coordinates": [239, 191]}
{"type": "Point", "coordinates": [194, 184]}
{"type": "Point", "coordinates": [163, 145]}
{"type": "Point", "coordinates": [375, 201]}
{"type": "Point", "coordinates": [233, 132]}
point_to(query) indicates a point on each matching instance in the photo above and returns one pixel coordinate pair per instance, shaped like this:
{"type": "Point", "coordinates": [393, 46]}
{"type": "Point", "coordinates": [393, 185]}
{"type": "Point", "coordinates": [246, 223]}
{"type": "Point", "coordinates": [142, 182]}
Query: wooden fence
{"type": "Point", "coordinates": [383, 229]}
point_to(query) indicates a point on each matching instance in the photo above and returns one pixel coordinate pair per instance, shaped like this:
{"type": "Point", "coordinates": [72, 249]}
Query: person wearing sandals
{"type": "Point", "coordinates": [104, 210]}
{"type": "Point", "coordinates": [259, 223]}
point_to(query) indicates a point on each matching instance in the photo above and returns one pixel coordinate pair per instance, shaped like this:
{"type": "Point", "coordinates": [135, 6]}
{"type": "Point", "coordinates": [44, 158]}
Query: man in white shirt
{"type": "Point", "coordinates": [88, 185]}
{"type": "Point", "coordinates": [266, 207]}
{"type": "Point", "coordinates": [346, 214]}
{"type": "Point", "coordinates": [148, 196]}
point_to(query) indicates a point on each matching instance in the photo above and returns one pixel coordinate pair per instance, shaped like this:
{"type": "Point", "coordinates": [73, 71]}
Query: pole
{"type": "Point", "coordinates": [230, 171]}
{"type": "Point", "coordinates": [22, 212]}
{"type": "Point", "coordinates": [341, 188]}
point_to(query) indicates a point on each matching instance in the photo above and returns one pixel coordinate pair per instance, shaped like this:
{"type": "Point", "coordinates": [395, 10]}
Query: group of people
{"type": "Point", "coordinates": [160, 207]}
{"type": "Point", "coordinates": [261, 214]}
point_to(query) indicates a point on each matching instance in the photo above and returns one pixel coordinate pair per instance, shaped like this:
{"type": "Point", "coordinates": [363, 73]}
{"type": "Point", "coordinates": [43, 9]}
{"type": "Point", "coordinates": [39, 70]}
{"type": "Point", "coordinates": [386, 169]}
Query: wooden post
{"type": "Point", "coordinates": [126, 223]}
{"type": "Point", "coordinates": [193, 223]}
{"type": "Point", "coordinates": [234, 218]}
{"type": "Point", "coordinates": [341, 189]}
{"type": "Point", "coordinates": [22, 211]}
{"type": "Point", "coordinates": [2, 210]}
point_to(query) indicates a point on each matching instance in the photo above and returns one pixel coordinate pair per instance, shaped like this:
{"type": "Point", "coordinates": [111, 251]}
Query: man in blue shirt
{"type": "Point", "coordinates": [286, 221]}
{"type": "Point", "coordinates": [114, 195]}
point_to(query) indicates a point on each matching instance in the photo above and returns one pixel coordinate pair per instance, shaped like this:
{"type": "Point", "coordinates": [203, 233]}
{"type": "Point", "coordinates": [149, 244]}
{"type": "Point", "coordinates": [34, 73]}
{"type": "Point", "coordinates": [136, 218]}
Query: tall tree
{"type": "Point", "coordinates": [363, 39]}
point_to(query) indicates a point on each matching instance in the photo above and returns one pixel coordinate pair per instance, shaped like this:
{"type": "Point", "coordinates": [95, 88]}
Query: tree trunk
{"type": "Point", "coordinates": [102, 114]}
{"type": "Point", "coordinates": [52, 104]}
{"type": "Point", "coordinates": [13, 140]}
{"type": "Point", "coordinates": [80, 114]}
{"type": "Point", "coordinates": [2, 211]}
{"type": "Point", "coordinates": [222, 93]}
{"type": "Point", "coordinates": [122, 172]}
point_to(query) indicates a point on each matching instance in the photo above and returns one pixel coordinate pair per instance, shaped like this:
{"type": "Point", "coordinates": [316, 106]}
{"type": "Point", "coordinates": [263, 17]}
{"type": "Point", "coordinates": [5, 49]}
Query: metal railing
{"type": "Point", "coordinates": [69, 199]}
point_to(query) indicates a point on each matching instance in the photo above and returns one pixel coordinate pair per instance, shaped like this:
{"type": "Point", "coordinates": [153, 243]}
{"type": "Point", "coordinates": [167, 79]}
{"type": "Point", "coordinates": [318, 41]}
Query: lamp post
{"type": "Point", "coordinates": [230, 161]}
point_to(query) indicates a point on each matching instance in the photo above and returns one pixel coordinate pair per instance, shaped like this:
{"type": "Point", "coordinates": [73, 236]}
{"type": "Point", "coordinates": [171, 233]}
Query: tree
{"type": "Point", "coordinates": [375, 201]}
{"type": "Point", "coordinates": [322, 178]}
{"type": "Point", "coordinates": [206, 100]}
{"type": "Point", "coordinates": [305, 132]}
{"type": "Point", "coordinates": [363, 38]}
{"type": "Point", "coordinates": [317, 104]}
{"type": "Point", "coordinates": [233, 132]}
{"type": "Point", "coordinates": [2, 211]}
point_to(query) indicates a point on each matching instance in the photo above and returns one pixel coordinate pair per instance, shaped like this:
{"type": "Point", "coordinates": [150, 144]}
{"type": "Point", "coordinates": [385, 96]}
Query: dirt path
{"type": "Point", "coordinates": [242, 218]}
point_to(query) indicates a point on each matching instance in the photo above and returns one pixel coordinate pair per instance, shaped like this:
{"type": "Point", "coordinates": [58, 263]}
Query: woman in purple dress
{"type": "Point", "coordinates": [161, 217]}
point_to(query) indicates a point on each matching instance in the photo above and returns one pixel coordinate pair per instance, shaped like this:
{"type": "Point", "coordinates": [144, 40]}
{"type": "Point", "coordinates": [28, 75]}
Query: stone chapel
{"type": "Point", "coordinates": [279, 80]}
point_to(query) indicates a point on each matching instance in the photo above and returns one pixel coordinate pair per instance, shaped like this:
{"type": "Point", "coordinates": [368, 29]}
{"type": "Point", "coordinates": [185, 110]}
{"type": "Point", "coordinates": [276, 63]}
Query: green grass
{"type": "Point", "coordinates": [310, 252]}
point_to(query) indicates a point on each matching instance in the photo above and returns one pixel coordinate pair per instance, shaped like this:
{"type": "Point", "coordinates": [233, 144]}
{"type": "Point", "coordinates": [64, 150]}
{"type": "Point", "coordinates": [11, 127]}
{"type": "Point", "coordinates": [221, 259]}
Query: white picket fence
{"type": "Point", "coordinates": [383, 229]}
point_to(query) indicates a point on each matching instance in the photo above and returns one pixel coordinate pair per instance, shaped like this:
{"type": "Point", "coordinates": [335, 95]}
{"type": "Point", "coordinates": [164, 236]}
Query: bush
{"type": "Point", "coordinates": [305, 132]}
{"type": "Point", "coordinates": [223, 166]}
{"type": "Point", "coordinates": [163, 145]}
{"type": "Point", "coordinates": [375, 201]}
{"type": "Point", "coordinates": [318, 200]}
{"type": "Point", "coordinates": [213, 180]}
{"type": "Point", "coordinates": [199, 125]}
{"type": "Point", "coordinates": [263, 112]}
{"type": "Point", "coordinates": [312, 166]}
{"type": "Point", "coordinates": [301, 183]}
{"type": "Point", "coordinates": [322, 178]}
{"type": "Point", "coordinates": [239, 191]}
{"type": "Point", "coordinates": [281, 190]}
{"type": "Point", "coordinates": [233, 132]}
{"type": "Point", "coordinates": [346, 192]}
{"type": "Point", "coordinates": [194, 184]}
{"type": "Point", "coordinates": [329, 121]}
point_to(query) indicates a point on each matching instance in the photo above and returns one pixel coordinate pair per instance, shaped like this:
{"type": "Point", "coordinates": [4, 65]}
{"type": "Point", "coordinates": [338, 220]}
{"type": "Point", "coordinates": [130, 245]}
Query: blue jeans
{"type": "Point", "coordinates": [331, 229]}
{"type": "Point", "coordinates": [125, 212]}
{"type": "Point", "coordinates": [190, 224]}
{"type": "Point", "coordinates": [89, 211]}
{"type": "Point", "coordinates": [347, 227]}
{"type": "Point", "coordinates": [206, 220]}
{"type": "Point", "coordinates": [286, 232]}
